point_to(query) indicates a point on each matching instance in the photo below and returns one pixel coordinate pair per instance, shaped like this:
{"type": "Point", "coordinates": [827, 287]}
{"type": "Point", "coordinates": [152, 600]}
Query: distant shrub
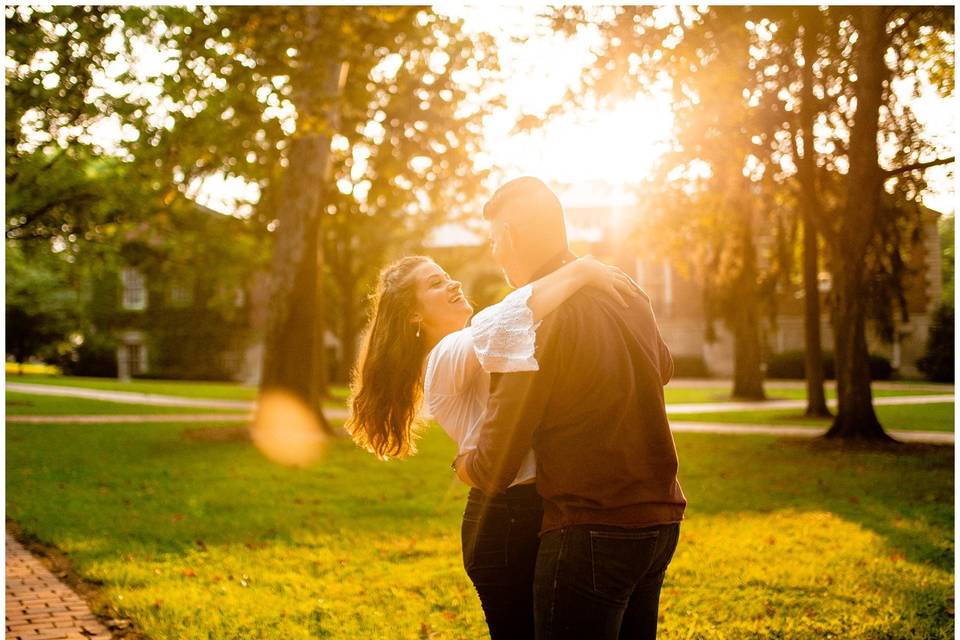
{"type": "Point", "coordinates": [97, 356]}
{"type": "Point", "coordinates": [205, 374]}
{"type": "Point", "coordinates": [937, 363]}
{"type": "Point", "coordinates": [690, 367]}
{"type": "Point", "coordinates": [880, 367]}
{"type": "Point", "coordinates": [790, 365]}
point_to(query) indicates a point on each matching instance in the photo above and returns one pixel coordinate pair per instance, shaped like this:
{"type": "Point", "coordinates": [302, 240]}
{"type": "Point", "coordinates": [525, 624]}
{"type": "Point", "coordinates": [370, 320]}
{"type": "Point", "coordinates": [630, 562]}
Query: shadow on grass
{"type": "Point", "coordinates": [109, 489]}
{"type": "Point", "coordinates": [147, 489]}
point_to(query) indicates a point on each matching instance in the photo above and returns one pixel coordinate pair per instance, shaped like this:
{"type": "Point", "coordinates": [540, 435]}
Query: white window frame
{"type": "Point", "coordinates": [133, 295]}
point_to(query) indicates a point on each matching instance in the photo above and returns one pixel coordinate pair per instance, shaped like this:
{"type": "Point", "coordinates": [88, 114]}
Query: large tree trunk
{"type": "Point", "coordinates": [813, 354]}
{"type": "Point", "coordinates": [855, 416]}
{"type": "Point", "coordinates": [293, 348]}
{"type": "Point", "coordinates": [291, 333]}
{"type": "Point", "coordinates": [747, 352]}
{"type": "Point", "coordinates": [318, 354]}
{"type": "Point", "coordinates": [810, 206]}
{"type": "Point", "coordinates": [745, 320]}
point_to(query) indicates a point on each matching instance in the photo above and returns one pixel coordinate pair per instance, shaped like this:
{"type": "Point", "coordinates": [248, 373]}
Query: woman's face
{"type": "Point", "coordinates": [441, 304]}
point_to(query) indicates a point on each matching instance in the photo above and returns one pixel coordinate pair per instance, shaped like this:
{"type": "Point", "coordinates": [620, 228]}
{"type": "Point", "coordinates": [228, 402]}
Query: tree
{"type": "Point", "coordinates": [864, 212]}
{"type": "Point", "coordinates": [806, 177]}
{"type": "Point", "coordinates": [41, 308]}
{"type": "Point", "coordinates": [353, 112]}
{"type": "Point", "coordinates": [372, 216]}
{"type": "Point", "coordinates": [60, 185]}
{"type": "Point", "coordinates": [833, 114]}
{"type": "Point", "coordinates": [716, 187]}
{"type": "Point", "coordinates": [864, 227]}
{"type": "Point", "coordinates": [387, 93]}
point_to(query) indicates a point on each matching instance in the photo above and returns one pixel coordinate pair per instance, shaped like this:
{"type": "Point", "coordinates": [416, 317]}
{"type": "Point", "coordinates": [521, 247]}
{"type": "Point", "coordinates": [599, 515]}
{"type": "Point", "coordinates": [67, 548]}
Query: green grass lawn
{"type": "Point", "coordinates": [193, 539]}
{"type": "Point", "coordinates": [911, 417]}
{"type": "Point", "coordinates": [28, 404]}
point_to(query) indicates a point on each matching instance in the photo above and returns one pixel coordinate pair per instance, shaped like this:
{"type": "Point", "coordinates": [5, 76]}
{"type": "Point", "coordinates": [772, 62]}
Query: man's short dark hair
{"type": "Point", "coordinates": [536, 197]}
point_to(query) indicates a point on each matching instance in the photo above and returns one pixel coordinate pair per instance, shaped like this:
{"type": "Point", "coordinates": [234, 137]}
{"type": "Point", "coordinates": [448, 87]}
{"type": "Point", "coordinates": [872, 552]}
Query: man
{"type": "Point", "coordinates": [595, 417]}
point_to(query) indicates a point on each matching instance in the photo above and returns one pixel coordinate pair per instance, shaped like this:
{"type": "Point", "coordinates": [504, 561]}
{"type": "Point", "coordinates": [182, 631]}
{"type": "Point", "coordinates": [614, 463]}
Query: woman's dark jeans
{"type": "Point", "coordinates": [601, 582]}
{"type": "Point", "coordinates": [500, 542]}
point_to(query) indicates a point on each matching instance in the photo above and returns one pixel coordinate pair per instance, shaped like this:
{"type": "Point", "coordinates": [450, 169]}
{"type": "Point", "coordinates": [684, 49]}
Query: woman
{"type": "Point", "coordinates": [418, 347]}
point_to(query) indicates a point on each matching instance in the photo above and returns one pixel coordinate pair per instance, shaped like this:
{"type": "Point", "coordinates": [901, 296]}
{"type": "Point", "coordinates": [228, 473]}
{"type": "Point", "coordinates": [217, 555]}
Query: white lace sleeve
{"type": "Point", "coordinates": [504, 335]}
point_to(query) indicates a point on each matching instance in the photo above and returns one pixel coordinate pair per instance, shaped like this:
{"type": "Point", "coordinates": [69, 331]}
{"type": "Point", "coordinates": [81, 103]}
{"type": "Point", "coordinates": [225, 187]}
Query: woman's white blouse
{"type": "Point", "coordinates": [499, 339]}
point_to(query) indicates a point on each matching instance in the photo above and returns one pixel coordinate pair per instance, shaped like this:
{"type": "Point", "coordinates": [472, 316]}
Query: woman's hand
{"type": "Point", "coordinates": [609, 279]}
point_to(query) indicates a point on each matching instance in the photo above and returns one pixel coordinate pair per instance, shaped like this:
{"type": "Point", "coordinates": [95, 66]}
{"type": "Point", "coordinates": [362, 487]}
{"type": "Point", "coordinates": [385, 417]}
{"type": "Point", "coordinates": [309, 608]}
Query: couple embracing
{"type": "Point", "coordinates": [555, 399]}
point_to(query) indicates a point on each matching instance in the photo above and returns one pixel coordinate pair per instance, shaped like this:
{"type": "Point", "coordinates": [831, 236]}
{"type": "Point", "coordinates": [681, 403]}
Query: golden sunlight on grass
{"type": "Point", "coordinates": [286, 431]}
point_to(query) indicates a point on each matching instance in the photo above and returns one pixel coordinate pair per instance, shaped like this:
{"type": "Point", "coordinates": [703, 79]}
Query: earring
{"type": "Point", "coordinates": [418, 328]}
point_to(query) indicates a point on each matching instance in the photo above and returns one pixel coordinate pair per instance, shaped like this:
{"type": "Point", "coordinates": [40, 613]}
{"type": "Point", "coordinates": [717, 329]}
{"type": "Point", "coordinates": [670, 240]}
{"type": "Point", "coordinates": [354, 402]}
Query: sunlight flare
{"type": "Point", "coordinates": [286, 431]}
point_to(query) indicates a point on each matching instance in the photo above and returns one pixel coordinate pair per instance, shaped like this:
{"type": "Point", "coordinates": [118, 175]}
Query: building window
{"type": "Point", "coordinates": [134, 297]}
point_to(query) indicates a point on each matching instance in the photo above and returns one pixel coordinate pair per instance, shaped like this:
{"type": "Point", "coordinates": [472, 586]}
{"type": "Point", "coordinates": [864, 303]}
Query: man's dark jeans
{"type": "Point", "coordinates": [603, 582]}
{"type": "Point", "coordinates": [500, 542]}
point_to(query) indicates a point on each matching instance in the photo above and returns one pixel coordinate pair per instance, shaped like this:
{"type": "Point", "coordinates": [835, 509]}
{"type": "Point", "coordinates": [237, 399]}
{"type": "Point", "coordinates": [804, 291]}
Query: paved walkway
{"type": "Point", "coordinates": [130, 397]}
{"type": "Point", "coordinates": [928, 437]}
{"type": "Point", "coordinates": [340, 413]}
{"type": "Point", "coordinates": [763, 405]}
{"type": "Point", "coordinates": [134, 418]}
{"type": "Point", "coordinates": [772, 384]}
{"type": "Point", "coordinates": [40, 607]}
{"type": "Point", "coordinates": [127, 397]}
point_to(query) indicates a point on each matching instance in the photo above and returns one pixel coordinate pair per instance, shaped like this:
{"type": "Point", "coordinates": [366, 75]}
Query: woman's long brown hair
{"type": "Point", "coordinates": [387, 387]}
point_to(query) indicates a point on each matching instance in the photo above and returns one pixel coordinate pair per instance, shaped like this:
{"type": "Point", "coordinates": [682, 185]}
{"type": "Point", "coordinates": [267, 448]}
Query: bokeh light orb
{"type": "Point", "coordinates": [287, 431]}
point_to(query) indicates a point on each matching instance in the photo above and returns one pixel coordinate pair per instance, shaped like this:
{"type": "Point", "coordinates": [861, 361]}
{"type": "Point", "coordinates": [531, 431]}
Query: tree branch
{"type": "Point", "coordinates": [917, 166]}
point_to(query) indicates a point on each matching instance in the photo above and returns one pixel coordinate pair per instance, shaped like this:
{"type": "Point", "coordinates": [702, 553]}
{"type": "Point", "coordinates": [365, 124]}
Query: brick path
{"type": "Point", "coordinates": [40, 607]}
